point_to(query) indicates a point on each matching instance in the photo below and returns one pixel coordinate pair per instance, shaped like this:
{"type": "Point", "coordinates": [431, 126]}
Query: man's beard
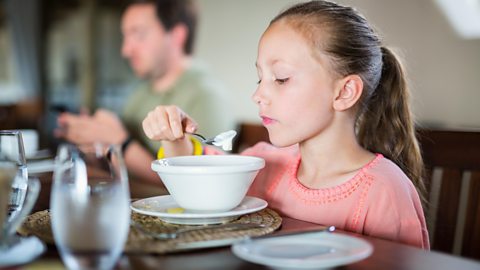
{"type": "Point", "coordinates": [158, 71]}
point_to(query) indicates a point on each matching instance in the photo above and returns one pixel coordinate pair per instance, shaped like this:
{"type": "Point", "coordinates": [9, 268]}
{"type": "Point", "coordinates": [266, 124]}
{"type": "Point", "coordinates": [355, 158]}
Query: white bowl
{"type": "Point", "coordinates": [208, 183]}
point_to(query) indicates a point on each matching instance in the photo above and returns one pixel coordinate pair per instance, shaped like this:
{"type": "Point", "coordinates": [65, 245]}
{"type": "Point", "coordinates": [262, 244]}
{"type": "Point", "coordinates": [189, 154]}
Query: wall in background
{"type": "Point", "coordinates": [444, 70]}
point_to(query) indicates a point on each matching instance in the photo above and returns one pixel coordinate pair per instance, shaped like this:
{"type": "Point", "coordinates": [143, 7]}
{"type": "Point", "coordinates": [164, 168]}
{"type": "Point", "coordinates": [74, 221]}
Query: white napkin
{"type": "Point", "coordinates": [25, 250]}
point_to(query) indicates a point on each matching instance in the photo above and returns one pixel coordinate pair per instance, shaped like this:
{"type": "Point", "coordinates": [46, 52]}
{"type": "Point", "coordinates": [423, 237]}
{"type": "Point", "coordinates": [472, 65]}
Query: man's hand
{"type": "Point", "coordinates": [104, 126]}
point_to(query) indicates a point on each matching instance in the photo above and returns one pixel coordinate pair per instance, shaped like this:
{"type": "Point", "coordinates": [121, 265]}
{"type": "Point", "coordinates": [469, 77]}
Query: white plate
{"type": "Point", "coordinates": [40, 166]}
{"type": "Point", "coordinates": [304, 251]}
{"type": "Point", "coordinates": [158, 206]}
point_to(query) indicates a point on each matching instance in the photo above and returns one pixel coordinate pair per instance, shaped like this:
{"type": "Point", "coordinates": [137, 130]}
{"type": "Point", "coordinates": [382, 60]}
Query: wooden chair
{"type": "Point", "coordinates": [452, 159]}
{"type": "Point", "coordinates": [22, 115]}
{"type": "Point", "coordinates": [7, 117]}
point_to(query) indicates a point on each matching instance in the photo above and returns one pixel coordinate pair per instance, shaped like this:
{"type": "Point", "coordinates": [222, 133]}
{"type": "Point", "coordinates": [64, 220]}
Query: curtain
{"type": "Point", "coordinates": [23, 22]}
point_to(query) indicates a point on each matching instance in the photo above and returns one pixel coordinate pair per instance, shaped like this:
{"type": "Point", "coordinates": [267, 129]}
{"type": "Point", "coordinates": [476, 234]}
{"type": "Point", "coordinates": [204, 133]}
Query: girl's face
{"type": "Point", "coordinates": [295, 92]}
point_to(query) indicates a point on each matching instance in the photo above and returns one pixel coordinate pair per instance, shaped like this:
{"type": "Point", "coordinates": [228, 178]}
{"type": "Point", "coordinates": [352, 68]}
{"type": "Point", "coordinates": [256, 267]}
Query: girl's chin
{"type": "Point", "coordinates": [280, 142]}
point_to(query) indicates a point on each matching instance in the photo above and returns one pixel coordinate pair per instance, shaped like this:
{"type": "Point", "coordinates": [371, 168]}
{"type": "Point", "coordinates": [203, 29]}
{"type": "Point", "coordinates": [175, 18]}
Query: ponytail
{"type": "Point", "coordinates": [386, 124]}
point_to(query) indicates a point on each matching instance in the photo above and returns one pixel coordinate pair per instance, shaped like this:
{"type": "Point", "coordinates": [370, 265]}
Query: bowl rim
{"type": "Point", "coordinates": [252, 163]}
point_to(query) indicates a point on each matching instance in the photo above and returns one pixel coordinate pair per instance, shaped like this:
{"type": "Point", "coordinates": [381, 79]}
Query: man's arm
{"type": "Point", "coordinates": [106, 127]}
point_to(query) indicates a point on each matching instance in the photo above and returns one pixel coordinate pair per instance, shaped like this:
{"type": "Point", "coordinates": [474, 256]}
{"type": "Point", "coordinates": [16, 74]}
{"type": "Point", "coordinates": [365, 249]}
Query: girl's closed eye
{"type": "Point", "coordinates": [282, 81]}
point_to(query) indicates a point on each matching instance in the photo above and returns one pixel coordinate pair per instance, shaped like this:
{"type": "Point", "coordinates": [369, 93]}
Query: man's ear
{"type": "Point", "coordinates": [179, 35]}
{"type": "Point", "coordinates": [348, 92]}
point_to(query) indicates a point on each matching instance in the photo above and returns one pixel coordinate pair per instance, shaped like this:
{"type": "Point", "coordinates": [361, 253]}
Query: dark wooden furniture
{"type": "Point", "coordinates": [452, 159]}
{"type": "Point", "coordinates": [22, 115]}
{"type": "Point", "coordinates": [26, 114]}
{"type": "Point", "coordinates": [248, 135]}
{"type": "Point", "coordinates": [7, 117]}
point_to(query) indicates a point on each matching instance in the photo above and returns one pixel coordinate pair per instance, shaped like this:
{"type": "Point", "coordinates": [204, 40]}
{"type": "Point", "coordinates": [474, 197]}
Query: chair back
{"type": "Point", "coordinates": [248, 135]}
{"type": "Point", "coordinates": [452, 160]}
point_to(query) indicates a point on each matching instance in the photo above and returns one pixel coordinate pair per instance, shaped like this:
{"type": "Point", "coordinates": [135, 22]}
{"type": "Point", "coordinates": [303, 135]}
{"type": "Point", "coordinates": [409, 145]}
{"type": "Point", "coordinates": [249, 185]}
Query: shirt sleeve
{"type": "Point", "coordinates": [393, 216]}
{"type": "Point", "coordinates": [210, 110]}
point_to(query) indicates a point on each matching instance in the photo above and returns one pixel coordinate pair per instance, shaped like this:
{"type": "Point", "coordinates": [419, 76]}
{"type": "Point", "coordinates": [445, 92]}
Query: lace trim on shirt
{"type": "Point", "coordinates": [361, 203]}
{"type": "Point", "coordinates": [331, 194]}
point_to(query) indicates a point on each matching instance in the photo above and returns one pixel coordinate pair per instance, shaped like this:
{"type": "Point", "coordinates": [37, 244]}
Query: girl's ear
{"type": "Point", "coordinates": [348, 92]}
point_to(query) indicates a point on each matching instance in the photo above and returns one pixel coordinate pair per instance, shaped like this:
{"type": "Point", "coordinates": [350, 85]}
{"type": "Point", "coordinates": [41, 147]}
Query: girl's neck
{"type": "Point", "coordinates": [165, 82]}
{"type": "Point", "coordinates": [331, 158]}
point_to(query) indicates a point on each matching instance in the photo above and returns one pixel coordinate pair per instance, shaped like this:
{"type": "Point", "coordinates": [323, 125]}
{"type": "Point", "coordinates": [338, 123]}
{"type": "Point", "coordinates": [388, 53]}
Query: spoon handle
{"type": "Point", "coordinates": [199, 135]}
{"type": "Point", "coordinates": [203, 139]}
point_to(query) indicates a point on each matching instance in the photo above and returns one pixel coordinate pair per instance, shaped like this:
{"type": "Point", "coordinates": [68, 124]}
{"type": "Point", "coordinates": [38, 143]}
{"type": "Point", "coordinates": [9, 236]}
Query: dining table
{"type": "Point", "coordinates": [386, 254]}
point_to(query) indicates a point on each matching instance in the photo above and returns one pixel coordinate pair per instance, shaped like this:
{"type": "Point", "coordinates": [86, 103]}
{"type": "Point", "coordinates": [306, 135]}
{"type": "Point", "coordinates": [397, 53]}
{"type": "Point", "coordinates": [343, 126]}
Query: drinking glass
{"type": "Point", "coordinates": [90, 205]}
{"type": "Point", "coordinates": [17, 193]}
{"type": "Point", "coordinates": [12, 151]}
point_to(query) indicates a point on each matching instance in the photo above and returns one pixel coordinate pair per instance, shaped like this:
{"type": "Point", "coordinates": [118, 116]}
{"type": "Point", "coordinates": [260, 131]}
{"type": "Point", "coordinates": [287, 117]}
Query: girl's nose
{"type": "Point", "coordinates": [256, 98]}
{"type": "Point", "coordinates": [259, 98]}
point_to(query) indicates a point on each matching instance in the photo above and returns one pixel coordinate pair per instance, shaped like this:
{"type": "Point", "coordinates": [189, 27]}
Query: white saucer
{"type": "Point", "coordinates": [158, 206]}
{"type": "Point", "coordinates": [304, 251]}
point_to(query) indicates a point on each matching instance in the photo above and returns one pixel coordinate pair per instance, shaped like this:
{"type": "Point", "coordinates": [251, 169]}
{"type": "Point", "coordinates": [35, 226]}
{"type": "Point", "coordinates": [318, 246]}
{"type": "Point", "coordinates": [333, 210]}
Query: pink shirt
{"type": "Point", "coordinates": [380, 200]}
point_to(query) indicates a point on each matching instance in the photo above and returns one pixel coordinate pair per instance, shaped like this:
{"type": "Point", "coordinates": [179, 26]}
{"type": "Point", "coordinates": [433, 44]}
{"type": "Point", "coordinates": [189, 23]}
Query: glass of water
{"type": "Point", "coordinates": [90, 205]}
{"type": "Point", "coordinates": [12, 151]}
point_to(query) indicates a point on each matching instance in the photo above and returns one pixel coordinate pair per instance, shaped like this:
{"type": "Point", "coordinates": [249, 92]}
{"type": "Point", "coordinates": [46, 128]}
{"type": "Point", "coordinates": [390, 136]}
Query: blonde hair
{"type": "Point", "coordinates": [384, 120]}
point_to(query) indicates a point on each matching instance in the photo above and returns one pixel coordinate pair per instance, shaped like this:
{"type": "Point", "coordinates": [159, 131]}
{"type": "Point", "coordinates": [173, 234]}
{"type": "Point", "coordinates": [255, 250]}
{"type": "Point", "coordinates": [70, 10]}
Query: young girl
{"type": "Point", "coordinates": [335, 103]}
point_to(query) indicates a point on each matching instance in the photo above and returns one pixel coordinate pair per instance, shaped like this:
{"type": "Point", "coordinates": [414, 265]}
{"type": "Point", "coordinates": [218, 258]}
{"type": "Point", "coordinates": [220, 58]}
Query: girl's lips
{"type": "Point", "coordinates": [266, 120]}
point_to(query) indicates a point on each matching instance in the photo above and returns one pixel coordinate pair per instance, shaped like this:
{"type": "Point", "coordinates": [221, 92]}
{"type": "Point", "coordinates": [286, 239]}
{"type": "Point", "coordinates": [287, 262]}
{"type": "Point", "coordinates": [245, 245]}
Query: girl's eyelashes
{"type": "Point", "coordinates": [281, 81]}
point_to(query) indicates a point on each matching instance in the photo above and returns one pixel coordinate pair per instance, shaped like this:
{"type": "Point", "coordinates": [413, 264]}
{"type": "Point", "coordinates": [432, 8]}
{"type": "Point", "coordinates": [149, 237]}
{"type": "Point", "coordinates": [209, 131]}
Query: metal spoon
{"type": "Point", "coordinates": [175, 234]}
{"type": "Point", "coordinates": [223, 139]}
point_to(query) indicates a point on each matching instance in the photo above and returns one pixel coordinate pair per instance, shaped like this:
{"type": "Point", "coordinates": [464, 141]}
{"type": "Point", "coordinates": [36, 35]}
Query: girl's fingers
{"type": "Point", "coordinates": [190, 125]}
{"type": "Point", "coordinates": [147, 128]}
{"type": "Point", "coordinates": [152, 124]}
{"type": "Point", "coordinates": [168, 123]}
{"type": "Point", "coordinates": [157, 123]}
{"type": "Point", "coordinates": [175, 116]}
{"type": "Point", "coordinates": [160, 124]}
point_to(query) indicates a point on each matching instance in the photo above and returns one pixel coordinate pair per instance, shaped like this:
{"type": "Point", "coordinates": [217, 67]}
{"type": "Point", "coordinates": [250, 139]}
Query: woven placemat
{"type": "Point", "coordinates": [39, 224]}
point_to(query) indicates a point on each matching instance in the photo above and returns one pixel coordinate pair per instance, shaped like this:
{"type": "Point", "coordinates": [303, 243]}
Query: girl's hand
{"type": "Point", "coordinates": [168, 123]}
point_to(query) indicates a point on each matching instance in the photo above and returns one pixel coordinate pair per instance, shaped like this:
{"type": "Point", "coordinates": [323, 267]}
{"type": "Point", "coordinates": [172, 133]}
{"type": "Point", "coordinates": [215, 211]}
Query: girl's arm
{"type": "Point", "coordinates": [398, 216]}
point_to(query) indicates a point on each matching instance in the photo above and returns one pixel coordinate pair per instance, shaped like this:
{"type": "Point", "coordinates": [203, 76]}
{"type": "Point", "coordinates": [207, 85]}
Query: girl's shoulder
{"type": "Point", "coordinates": [385, 167]}
{"type": "Point", "coordinates": [388, 177]}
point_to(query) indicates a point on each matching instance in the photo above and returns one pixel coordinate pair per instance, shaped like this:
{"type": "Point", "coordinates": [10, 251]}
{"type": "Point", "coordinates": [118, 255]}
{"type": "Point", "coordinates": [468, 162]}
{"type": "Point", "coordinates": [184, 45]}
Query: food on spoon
{"type": "Point", "coordinates": [224, 140]}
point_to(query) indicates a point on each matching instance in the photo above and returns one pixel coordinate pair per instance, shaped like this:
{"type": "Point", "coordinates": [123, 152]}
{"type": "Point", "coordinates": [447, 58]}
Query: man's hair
{"type": "Point", "coordinates": [173, 12]}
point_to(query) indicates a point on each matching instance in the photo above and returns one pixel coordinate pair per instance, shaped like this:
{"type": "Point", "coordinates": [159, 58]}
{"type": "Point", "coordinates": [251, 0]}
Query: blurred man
{"type": "Point", "coordinates": [158, 42]}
